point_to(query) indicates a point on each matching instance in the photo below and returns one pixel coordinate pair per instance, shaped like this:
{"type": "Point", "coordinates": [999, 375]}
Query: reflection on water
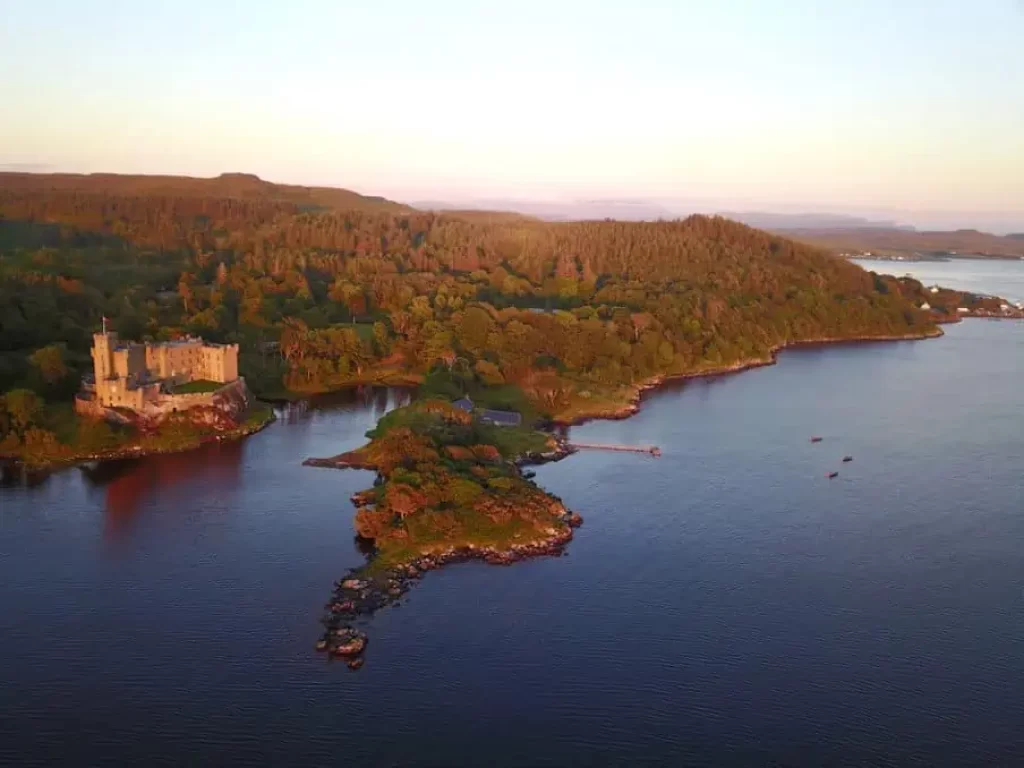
{"type": "Point", "coordinates": [127, 484]}
{"type": "Point", "coordinates": [14, 474]}
{"type": "Point", "coordinates": [374, 401]}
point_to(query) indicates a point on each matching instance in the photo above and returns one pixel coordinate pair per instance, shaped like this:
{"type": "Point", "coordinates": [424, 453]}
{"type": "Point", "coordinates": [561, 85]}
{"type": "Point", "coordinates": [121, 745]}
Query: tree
{"type": "Point", "coordinates": [489, 373]}
{"type": "Point", "coordinates": [474, 328]}
{"type": "Point", "coordinates": [24, 407]}
{"type": "Point", "coordinates": [49, 361]}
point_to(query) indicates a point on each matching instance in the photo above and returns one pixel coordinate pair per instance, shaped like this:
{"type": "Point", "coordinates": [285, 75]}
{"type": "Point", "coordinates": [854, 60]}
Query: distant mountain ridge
{"type": "Point", "coordinates": [805, 221]}
{"type": "Point", "coordinates": [243, 186]}
{"type": "Point", "coordinates": [961, 242]}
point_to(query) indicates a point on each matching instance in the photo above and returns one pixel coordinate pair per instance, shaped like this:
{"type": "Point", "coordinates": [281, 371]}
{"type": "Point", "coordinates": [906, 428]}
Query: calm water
{"type": "Point", "coordinates": [724, 604]}
{"type": "Point", "coordinates": [998, 277]}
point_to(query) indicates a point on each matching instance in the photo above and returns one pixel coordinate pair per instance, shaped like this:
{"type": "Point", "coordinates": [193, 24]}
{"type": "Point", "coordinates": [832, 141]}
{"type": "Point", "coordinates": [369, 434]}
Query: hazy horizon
{"type": "Point", "coordinates": [908, 113]}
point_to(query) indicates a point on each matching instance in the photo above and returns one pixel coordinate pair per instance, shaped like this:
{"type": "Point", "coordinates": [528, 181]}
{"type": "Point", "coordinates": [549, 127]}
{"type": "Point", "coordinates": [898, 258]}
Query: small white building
{"type": "Point", "coordinates": [934, 289]}
{"type": "Point", "coordinates": [962, 310]}
{"type": "Point", "coordinates": [926, 306]}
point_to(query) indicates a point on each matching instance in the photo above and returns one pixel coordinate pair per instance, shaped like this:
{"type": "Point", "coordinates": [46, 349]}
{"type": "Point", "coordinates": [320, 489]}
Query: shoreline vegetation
{"type": "Point", "coordinates": [176, 436]}
{"type": "Point", "coordinates": [630, 401]}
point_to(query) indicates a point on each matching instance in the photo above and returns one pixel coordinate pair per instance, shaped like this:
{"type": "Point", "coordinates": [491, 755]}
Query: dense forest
{"type": "Point", "coordinates": [323, 290]}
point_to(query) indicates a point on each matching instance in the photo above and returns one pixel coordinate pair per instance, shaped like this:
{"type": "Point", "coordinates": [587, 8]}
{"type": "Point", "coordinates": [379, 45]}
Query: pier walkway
{"type": "Point", "coordinates": [651, 449]}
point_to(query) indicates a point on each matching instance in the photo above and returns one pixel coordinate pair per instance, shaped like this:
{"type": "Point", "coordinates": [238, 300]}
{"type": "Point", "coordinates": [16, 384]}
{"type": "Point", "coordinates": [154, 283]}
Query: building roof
{"type": "Point", "coordinates": [463, 404]}
{"type": "Point", "coordinates": [502, 418]}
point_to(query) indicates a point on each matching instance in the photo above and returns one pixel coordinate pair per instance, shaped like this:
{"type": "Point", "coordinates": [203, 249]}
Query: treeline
{"type": "Point", "coordinates": [320, 299]}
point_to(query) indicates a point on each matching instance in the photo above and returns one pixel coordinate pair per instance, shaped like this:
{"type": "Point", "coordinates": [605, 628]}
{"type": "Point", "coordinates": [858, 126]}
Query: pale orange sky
{"type": "Point", "coordinates": [916, 106]}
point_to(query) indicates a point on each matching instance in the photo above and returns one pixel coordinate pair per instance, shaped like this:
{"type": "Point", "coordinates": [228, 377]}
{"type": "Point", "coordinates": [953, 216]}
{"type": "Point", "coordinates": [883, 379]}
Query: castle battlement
{"type": "Point", "coordinates": [138, 375]}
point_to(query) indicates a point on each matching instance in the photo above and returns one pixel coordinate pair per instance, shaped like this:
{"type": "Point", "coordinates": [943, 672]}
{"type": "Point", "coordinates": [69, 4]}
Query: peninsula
{"type": "Point", "coordinates": [449, 487]}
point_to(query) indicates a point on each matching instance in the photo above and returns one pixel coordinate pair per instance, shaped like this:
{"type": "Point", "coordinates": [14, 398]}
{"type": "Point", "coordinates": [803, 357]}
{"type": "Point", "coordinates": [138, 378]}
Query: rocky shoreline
{"type": "Point", "coordinates": [341, 461]}
{"type": "Point", "coordinates": [561, 451]}
{"type": "Point", "coordinates": [359, 595]}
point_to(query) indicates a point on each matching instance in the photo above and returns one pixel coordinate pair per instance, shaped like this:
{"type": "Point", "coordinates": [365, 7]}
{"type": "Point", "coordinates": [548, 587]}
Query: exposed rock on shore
{"type": "Point", "coordinates": [363, 591]}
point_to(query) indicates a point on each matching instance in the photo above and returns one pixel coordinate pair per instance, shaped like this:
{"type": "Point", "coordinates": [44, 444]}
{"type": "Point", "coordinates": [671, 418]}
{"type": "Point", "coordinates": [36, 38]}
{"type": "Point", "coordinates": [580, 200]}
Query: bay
{"type": "Point", "coordinates": [724, 604]}
{"type": "Point", "coordinates": [996, 277]}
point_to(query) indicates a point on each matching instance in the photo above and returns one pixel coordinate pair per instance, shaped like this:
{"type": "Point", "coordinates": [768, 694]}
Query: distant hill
{"type": "Point", "coordinates": [577, 210]}
{"type": "Point", "coordinates": [902, 242]}
{"type": "Point", "coordinates": [804, 221]}
{"type": "Point", "coordinates": [242, 186]}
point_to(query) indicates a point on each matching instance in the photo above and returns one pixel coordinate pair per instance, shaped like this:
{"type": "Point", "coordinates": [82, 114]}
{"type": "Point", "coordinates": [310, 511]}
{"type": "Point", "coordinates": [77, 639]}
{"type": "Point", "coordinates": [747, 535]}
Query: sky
{"type": "Point", "coordinates": [863, 106]}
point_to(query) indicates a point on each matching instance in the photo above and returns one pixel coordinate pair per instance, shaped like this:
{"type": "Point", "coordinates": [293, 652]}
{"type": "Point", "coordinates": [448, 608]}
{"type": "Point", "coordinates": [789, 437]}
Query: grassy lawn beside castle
{"type": "Point", "coordinates": [200, 386]}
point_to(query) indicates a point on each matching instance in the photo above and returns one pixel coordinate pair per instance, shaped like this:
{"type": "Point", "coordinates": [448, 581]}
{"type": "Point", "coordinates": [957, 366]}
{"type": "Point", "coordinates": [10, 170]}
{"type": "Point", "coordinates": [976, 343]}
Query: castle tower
{"type": "Point", "coordinates": [102, 360]}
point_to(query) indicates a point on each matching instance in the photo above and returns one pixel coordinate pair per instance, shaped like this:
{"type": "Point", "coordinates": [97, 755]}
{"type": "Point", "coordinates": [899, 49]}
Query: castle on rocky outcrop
{"type": "Point", "coordinates": [148, 377]}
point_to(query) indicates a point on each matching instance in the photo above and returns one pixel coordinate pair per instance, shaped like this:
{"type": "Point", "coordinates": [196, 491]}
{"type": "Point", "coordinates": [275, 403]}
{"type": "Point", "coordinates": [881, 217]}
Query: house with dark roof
{"type": "Point", "coordinates": [501, 418]}
{"type": "Point", "coordinates": [490, 416]}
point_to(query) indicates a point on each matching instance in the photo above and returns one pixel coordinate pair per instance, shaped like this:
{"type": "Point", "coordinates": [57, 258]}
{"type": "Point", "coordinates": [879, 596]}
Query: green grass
{"type": "Point", "coordinates": [259, 413]}
{"type": "Point", "coordinates": [197, 387]}
{"type": "Point", "coordinates": [513, 442]}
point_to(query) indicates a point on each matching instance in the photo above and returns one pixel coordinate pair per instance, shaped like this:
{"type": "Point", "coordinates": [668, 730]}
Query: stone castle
{"type": "Point", "coordinates": [144, 377]}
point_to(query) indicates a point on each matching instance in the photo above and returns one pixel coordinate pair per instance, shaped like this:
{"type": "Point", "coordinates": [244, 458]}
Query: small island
{"type": "Point", "coordinates": [449, 488]}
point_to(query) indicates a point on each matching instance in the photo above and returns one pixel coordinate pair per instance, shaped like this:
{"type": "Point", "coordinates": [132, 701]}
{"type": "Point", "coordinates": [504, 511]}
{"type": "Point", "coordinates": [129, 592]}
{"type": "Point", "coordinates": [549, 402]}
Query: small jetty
{"type": "Point", "coordinates": [653, 450]}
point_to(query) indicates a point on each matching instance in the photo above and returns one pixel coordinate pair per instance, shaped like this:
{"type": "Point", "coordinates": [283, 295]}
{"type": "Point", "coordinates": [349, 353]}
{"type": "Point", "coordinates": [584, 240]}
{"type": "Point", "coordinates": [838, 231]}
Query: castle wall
{"type": "Point", "coordinates": [150, 404]}
{"type": "Point", "coordinates": [129, 361]}
{"type": "Point", "coordinates": [220, 363]}
{"type": "Point", "coordinates": [182, 361]}
{"type": "Point", "coordinates": [232, 398]}
{"type": "Point", "coordinates": [122, 370]}
{"type": "Point", "coordinates": [178, 361]}
{"type": "Point", "coordinates": [117, 393]}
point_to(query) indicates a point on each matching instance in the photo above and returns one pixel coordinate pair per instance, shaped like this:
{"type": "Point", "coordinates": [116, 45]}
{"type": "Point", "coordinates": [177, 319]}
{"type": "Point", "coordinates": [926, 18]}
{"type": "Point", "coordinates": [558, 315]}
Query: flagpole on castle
{"type": "Point", "coordinates": [104, 325]}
